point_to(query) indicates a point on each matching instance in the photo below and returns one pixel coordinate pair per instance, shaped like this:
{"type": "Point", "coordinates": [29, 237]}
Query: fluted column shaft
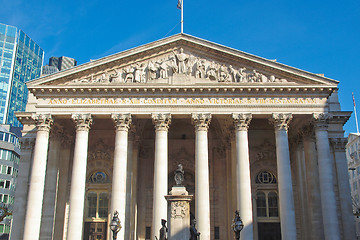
{"type": "Point", "coordinates": [243, 179]}
{"type": "Point", "coordinates": [326, 178]}
{"type": "Point", "coordinates": [118, 194]}
{"type": "Point", "coordinates": [286, 198]}
{"type": "Point", "coordinates": [37, 179]}
{"type": "Point", "coordinates": [202, 194]}
{"type": "Point", "coordinates": [161, 122]}
{"type": "Point", "coordinates": [78, 179]}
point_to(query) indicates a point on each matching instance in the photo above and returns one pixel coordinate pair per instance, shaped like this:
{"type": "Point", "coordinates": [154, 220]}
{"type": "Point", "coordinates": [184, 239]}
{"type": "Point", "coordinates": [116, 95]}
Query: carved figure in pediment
{"type": "Point", "coordinates": [102, 78]}
{"type": "Point", "coordinates": [264, 78]}
{"type": "Point", "coordinates": [234, 74]}
{"type": "Point", "coordinates": [242, 75]}
{"type": "Point", "coordinates": [254, 77]}
{"type": "Point", "coordinates": [172, 64]}
{"type": "Point", "coordinates": [200, 68]}
{"type": "Point", "coordinates": [115, 77]}
{"type": "Point", "coordinates": [129, 74]}
{"type": "Point", "coordinates": [212, 71]}
{"type": "Point", "coordinates": [139, 73]}
{"type": "Point", "coordinates": [152, 70]}
{"type": "Point", "coordinates": [224, 74]}
{"type": "Point", "coordinates": [163, 69]}
{"type": "Point", "coordinates": [182, 59]}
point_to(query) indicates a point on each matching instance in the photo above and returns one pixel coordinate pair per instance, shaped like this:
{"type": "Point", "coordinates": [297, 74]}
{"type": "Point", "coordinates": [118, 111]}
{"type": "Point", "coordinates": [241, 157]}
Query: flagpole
{"type": "Point", "coordinates": [356, 120]}
{"type": "Point", "coordinates": [182, 16]}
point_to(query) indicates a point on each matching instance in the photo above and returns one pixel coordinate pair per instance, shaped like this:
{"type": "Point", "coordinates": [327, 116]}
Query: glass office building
{"type": "Point", "coordinates": [20, 61]}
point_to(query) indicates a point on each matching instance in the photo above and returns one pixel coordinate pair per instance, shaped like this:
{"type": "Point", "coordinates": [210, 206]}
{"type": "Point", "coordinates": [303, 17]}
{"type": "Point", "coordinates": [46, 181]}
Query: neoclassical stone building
{"type": "Point", "coordinates": [252, 134]}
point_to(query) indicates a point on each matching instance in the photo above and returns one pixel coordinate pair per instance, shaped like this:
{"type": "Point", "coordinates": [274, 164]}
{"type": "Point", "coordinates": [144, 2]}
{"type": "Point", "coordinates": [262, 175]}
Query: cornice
{"type": "Point", "coordinates": [56, 91]}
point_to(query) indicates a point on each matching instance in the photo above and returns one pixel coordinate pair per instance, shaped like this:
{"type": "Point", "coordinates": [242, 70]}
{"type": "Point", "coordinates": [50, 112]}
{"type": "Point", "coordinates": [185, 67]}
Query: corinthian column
{"type": "Point", "coordinates": [326, 178]}
{"type": "Point", "coordinates": [202, 196]}
{"type": "Point", "coordinates": [78, 179]}
{"type": "Point", "coordinates": [243, 180]}
{"type": "Point", "coordinates": [286, 199]}
{"type": "Point", "coordinates": [37, 179]}
{"type": "Point", "coordinates": [118, 194]}
{"type": "Point", "coordinates": [161, 122]}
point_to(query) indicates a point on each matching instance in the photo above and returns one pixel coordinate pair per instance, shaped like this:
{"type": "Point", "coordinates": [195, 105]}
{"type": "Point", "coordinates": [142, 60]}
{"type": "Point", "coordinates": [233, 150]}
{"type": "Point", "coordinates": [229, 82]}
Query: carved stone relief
{"type": "Point", "coordinates": [178, 63]}
{"type": "Point", "coordinates": [179, 209]}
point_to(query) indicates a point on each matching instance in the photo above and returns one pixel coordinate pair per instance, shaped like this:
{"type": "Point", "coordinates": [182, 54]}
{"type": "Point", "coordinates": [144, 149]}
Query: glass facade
{"type": "Point", "coordinates": [21, 61]}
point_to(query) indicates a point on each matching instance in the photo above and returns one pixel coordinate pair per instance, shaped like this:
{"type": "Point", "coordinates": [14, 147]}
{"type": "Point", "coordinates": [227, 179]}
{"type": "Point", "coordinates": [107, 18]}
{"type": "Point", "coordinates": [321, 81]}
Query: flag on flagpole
{"type": "Point", "coordinates": [179, 5]}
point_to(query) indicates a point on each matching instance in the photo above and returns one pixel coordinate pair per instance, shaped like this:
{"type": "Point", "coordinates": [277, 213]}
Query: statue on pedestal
{"type": "Point", "coordinates": [194, 234]}
{"type": "Point", "coordinates": [179, 175]}
{"type": "Point", "coordinates": [163, 230]}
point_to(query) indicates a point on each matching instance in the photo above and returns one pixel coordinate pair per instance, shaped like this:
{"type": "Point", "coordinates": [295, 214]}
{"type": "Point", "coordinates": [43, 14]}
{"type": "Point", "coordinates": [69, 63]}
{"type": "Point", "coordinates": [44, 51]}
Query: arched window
{"type": "Point", "coordinates": [265, 177]}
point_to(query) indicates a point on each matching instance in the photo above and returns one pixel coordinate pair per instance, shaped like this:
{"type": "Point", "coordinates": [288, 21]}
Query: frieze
{"type": "Point", "coordinates": [179, 209]}
{"type": "Point", "coordinates": [178, 63]}
{"type": "Point", "coordinates": [185, 101]}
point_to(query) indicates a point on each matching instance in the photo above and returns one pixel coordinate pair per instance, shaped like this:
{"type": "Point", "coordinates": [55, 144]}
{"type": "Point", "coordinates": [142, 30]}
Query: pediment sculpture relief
{"type": "Point", "coordinates": [179, 64]}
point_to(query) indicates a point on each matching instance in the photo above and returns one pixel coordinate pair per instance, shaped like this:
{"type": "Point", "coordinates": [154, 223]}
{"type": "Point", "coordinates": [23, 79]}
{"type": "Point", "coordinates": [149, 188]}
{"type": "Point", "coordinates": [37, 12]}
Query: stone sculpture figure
{"type": "Point", "coordinates": [138, 72]}
{"type": "Point", "coordinates": [163, 69]}
{"type": "Point", "coordinates": [235, 75]}
{"type": "Point", "coordinates": [224, 74]}
{"type": "Point", "coordinates": [182, 58]}
{"type": "Point", "coordinates": [212, 72]}
{"type": "Point", "coordinates": [242, 74]}
{"type": "Point", "coordinates": [200, 69]}
{"type": "Point", "coordinates": [163, 230]}
{"type": "Point", "coordinates": [152, 70]}
{"type": "Point", "coordinates": [129, 74]}
{"type": "Point", "coordinates": [194, 234]}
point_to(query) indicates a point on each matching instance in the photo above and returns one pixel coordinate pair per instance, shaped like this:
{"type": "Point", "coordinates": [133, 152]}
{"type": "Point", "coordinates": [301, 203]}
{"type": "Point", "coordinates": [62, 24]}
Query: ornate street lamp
{"type": "Point", "coordinates": [115, 225]}
{"type": "Point", "coordinates": [237, 225]}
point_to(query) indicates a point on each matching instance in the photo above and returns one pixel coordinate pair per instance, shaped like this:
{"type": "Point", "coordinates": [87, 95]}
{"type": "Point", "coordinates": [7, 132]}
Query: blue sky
{"type": "Point", "coordinates": [317, 36]}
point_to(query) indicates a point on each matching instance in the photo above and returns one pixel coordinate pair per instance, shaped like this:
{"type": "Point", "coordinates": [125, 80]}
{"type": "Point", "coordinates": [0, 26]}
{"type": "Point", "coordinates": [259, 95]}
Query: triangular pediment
{"type": "Point", "coordinates": [182, 60]}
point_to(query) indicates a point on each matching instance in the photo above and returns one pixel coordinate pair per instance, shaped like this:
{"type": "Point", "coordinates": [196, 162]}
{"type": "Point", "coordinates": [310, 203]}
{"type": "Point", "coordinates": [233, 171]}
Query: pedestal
{"type": "Point", "coordinates": [179, 223]}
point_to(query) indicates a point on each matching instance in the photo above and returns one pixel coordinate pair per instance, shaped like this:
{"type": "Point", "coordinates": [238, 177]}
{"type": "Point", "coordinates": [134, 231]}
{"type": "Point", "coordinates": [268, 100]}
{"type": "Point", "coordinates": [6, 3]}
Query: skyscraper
{"type": "Point", "coordinates": [20, 61]}
{"type": "Point", "coordinates": [62, 63]}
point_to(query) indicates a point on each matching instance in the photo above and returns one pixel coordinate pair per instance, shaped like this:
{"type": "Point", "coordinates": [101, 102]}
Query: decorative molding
{"type": "Point", "coordinates": [179, 209]}
{"type": "Point", "coordinates": [321, 121]}
{"type": "Point", "coordinates": [266, 151]}
{"type": "Point", "coordinates": [122, 121]}
{"type": "Point", "coordinates": [100, 151]}
{"type": "Point", "coordinates": [161, 121]}
{"type": "Point", "coordinates": [338, 144]}
{"type": "Point", "coordinates": [26, 143]}
{"type": "Point", "coordinates": [43, 121]}
{"type": "Point", "coordinates": [280, 121]}
{"type": "Point", "coordinates": [83, 122]}
{"type": "Point", "coordinates": [242, 121]}
{"type": "Point", "coordinates": [201, 121]}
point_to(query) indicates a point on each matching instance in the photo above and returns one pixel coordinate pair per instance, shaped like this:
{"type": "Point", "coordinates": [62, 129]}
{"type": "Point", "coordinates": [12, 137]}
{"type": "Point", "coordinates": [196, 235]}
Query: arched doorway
{"type": "Point", "coordinates": [267, 207]}
{"type": "Point", "coordinates": [97, 206]}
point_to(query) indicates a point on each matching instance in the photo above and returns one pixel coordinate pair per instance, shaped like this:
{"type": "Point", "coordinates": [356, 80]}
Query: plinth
{"type": "Point", "coordinates": [179, 223]}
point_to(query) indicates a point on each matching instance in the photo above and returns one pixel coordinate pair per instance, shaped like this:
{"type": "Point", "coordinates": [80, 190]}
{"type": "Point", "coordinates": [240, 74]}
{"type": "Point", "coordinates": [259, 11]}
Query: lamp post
{"type": "Point", "coordinates": [237, 225]}
{"type": "Point", "coordinates": [115, 225]}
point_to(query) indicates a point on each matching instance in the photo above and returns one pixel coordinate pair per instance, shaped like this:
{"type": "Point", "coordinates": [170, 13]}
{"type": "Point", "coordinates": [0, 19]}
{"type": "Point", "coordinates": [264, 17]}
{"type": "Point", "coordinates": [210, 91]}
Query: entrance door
{"type": "Point", "coordinates": [95, 231]}
{"type": "Point", "coordinates": [269, 231]}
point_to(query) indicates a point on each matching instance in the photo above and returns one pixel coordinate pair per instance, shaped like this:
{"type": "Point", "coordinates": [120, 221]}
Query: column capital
{"type": "Point", "coordinates": [201, 121]}
{"type": "Point", "coordinates": [43, 121]}
{"type": "Point", "coordinates": [321, 121]}
{"type": "Point", "coordinates": [280, 120]}
{"type": "Point", "coordinates": [83, 122]}
{"type": "Point", "coordinates": [242, 121]}
{"type": "Point", "coordinates": [122, 121]}
{"type": "Point", "coordinates": [161, 121]}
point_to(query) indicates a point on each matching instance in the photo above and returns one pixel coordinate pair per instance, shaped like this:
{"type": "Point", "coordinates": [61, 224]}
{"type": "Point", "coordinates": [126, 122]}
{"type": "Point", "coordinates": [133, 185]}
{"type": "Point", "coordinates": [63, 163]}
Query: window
{"type": "Point", "coordinates": [267, 204]}
{"type": "Point", "coordinates": [265, 177]}
{"type": "Point", "coordinates": [97, 205]}
{"type": "Point", "coordinates": [217, 233]}
{"type": "Point", "coordinates": [147, 232]}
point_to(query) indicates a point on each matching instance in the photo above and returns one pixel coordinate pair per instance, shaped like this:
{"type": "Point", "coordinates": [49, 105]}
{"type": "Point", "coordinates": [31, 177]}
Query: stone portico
{"type": "Point", "coordinates": [252, 134]}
